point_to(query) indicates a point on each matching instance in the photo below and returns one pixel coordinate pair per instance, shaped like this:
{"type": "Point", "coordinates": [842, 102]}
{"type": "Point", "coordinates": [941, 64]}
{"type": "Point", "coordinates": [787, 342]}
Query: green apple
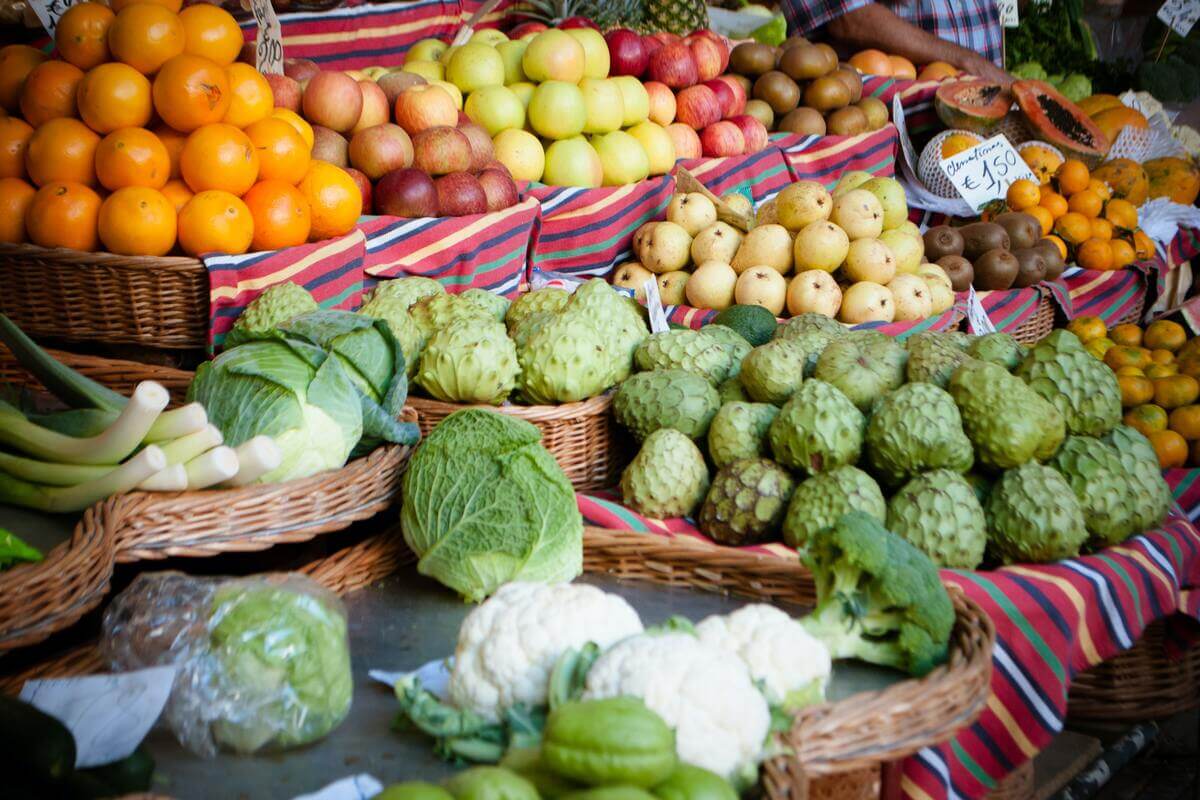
{"type": "Point", "coordinates": [557, 110]}
{"type": "Point", "coordinates": [622, 158]}
{"type": "Point", "coordinates": [634, 99]}
{"type": "Point", "coordinates": [657, 143]}
{"type": "Point", "coordinates": [605, 106]}
{"type": "Point", "coordinates": [496, 108]}
{"type": "Point", "coordinates": [489, 36]}
{"type": "Point", "coordinates": [451, 90]}
{"type": "Point", "coordinates": [429, 70]}
{"type": "Point", "coordinates": [447, 54]}
{"type": "Point", "coordinates": [554, 55]}
{"type": "Point", "coordinates": [376, 72]}
{"type": "Point", "coordinates": [511, 53]}
{"type": "Point", "coordinates": [474, 66]}
{"type": "Point", "coordinates": [524, 92]}
{"type": "Point", "coordinates": [595, 52]}
{"type": "Point", "coordinates": [426, 50]}
{"type": "Point", "coordinates": [573, 162]}
{"type": "Point", "coordinates": [522, 153]}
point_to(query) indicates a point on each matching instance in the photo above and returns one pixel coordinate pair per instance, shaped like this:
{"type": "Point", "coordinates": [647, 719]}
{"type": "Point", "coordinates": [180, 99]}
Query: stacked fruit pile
{"type": "Point", "coordinates": [877, 62]}
{"type": "Point", "coordinates": [222, 170]}
{"type": "Point", "coordinates": [966, 447]}
{"type": "Point", "coordinates": [1009, 252]}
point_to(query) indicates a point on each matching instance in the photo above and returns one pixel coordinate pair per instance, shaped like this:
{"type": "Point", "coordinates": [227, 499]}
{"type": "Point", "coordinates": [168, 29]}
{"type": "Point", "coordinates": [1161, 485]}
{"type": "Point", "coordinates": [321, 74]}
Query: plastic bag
{"type": "Point", "coordinates": [262, 662]}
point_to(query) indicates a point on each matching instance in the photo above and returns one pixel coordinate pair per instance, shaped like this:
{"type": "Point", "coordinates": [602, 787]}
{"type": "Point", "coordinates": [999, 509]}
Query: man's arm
{"type": "Point", "coordinates": [874, 25]}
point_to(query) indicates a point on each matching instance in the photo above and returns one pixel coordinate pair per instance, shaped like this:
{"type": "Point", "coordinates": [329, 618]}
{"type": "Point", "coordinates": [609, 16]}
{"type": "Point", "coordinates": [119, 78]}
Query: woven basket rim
{"type": "Point", "coordinates": [84, 258]}
{"type": "Point", "coordinates": [591, 407]}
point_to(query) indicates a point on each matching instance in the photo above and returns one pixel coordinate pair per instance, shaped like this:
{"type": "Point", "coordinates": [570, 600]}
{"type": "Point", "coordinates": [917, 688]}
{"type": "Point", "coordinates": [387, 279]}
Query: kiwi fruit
{"type": "Point", "coordinates": [1052, 256]}
{"type": "Point", "coordinates": [752, 58]}
{"type": "Point", "coordinates": [876, 111]}
{"type": "Point", "coordinates": [996, 269]}
{"type": "Point", "coordinates": [802, 62]}
{"type": "Point", "coordinates": [831, 56]}
{"type": "Point", "coordinates": [1031, 267]}
{"type": "Point", "coordinates": [779, 91]}
{"type": "Point", "coordinates": [848, 121]}
{"type": "Point", "coordinates": [804, 121]}
{"type": "Point", "coordinates": [959, 270]}
{"type": "Point", "coordinates": [853, 81]}
{"type": "Point", "coordinates": [980, 237]}
{"type": "Point", "coordinates": [793, 40]}
{"type": "Point", "coordinates": [1023, 229]}
{"type": "Point", "coordinates": [826, 94]}
{"type": "Point", "coordinates": [761, 112]}
{"type": "Point", "coordinates": [942, 240]}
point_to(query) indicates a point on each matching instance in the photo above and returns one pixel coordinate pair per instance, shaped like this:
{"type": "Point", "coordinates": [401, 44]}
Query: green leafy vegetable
{"type": "Point", "coordinates": [13, 550]}
{"type": "Point", "coordinates": [1053, 33]}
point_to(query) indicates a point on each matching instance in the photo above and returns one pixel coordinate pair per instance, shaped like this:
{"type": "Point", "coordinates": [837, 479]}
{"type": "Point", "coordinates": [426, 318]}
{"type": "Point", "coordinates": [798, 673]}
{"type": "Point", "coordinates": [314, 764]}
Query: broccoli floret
{"type": "Point", "coordinates": [879, 598]}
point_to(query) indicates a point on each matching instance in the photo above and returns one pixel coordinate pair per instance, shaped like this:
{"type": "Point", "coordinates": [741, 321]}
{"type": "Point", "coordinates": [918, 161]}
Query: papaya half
{"type": "Point", "coordinates": [1056, 120]}
{"type": "Point", "coordinates": [976, 106]}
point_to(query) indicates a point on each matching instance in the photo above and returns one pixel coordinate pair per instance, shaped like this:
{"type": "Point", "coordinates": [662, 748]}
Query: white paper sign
{"type": "Point", "coordinates": [984, 173]}
{"type": "Point", "coordinates": [50, 11]}
{"type": "Point", "coordinates": [268, 47]}
{"type": "Point", "coordinates": [658, 316]}
{"type": "Point", "coordinates": [108, 715]}
{"type": "Point", "coordinates": [1009, 16]}
{"type": "Point", "coordinates": [434, 676]}
{"type": "Point", "coordinates": [1180, 15]}
{"type": "Point", "coordinates": [977, 318]}
{"type": "Point", "coordinates": [356, 787]}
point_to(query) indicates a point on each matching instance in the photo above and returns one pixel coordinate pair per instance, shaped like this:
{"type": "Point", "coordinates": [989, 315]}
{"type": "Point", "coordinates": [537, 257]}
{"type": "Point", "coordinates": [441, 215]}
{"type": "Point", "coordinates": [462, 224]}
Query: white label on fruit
{"type": "Point", "coordinates": [49, 11]}
{"type": "Point", "coordinates": [984, 173]}
{"type": "Point", "coordinates": [356, 787]}
{"type": "Point", "coordinates": [268, 47]}
{"type": "Point", "coordinates": [108, 715]}
{"type": "Point", "coordinates": [1180, 15]}
{"type": "Point", "coordinates": [1009, 16]}
{"type": "Point", "coordinates": [658, 316]}
{"type": "Point", "coordinates": [977, 318]}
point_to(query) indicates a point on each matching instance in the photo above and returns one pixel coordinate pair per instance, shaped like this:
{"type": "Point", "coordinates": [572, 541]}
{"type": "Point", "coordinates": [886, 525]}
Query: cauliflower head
{"type": "Point", "coordinates": [790, 664]}
{"type": "Point", "coordinates": [1187, 136]}
{"type": "Point", "coordinates": [507, 646]}
{"type": "Point", "coordinates": [720, 718]}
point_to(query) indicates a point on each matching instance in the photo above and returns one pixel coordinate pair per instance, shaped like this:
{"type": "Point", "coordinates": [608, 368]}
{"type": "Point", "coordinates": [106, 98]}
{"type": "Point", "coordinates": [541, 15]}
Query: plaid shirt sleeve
{"type": "Point", "coordinates": [807, 16]}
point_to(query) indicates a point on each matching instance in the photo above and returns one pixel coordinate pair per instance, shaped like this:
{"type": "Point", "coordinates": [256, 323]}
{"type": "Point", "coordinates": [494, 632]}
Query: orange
{"type": "Point", "coordinates": [137, 221]}
{"type": "Point", "coordinates": [1146, 419]}
{"type": "Point", "coordinates": [1165, 335]}
{"type": "Point", "coordinates": [1171, 448]}
{"type": "Point", "coordinates": [1060, 244]}
{"type": "Point", "coordinates": [177, 192]}
{"type": "Point", "coordinates": [1121, 213]}
{"type": "Point", "coordinates": [191, 91]}
{"type": "Point", "coordinates": [132, 157]}
{"type": "Point", "coordinates": [1102, 189]}
{"type": "Point", "coordinates": [114, 96]}
{"type": "Point", "coordinates": [82, 34]}
{"type": "Point", "coordinates": [211, 32]}
{"type": "Point", "coordinates": [1098, 347]}
{"type": "Point", "coordinates": [63, 149]}
{"type": "Point", "coordinates": [1072, 176]}
{"type": "Point", "coordinates": [871, 62]}
{"type": "Point", "coordinates": [16, 62]}
{"type": "Point", "coordinates": [63, 214]}
{"type": "Point", "coordinates": [1055, 203]}
{"type": "Point", "coordinates": [1143, 246]}
{"type": "Point", "coordinates": [1130, 371]}
{"type": "Point", "coordinates": [251, 98]}
{"type": "Point", "coordinates": [902, 68]}
{"type": "Point", "coordinates": [1088, 328]}
{"type": "Point", "coordinates": [282, 217]}
{"type": "Point", "coordinates": [49, 92]}
{"type": "Point", "coordinates": [1120, 356]}
{"type": "Point", "coordinates": [1073, 228]}
{"type": "Point", "coordinates": [14, 138]}
{"type": "Point", "coordinates": [1185, 421]}
{"type": "Point", "coordinates": [15, 197]}
{"type": "Point", "coordinates": [1127, 335]}
{"type": "Point", "coordinates": [1087, 203]}
{"type": "Point", "coordinates": [1173, 391]}
{"type": "Point", "coordinates": [1094, 254]}
{"type": "Point", "coordinates": [219, 157]}
{"type": "Point", "coordinates": [1135, 390]}
{"type": "Point", "coordinates": [1162, 370]}
{"type": "Point", "coordinates": [1122, 253]}
{"type": "Point", "coordinates": [334, 197]}
{"type": "Point", "coordinates": [1102, 229]}
{"type": "Point", "coordinates": [215, 222]}
{"type": "Point", "coordinates": [145, 36]}
{"type": "Point", "coordinates": [1023, 194]}
{"type": "Point", "coordinates": [1043, 216]}
{"type": "Point", "coordinates": [1159, 356]}
{"type": "Point", "coordinates": [282, 153]}
{"type": "Point", "coordinates": [171, 5]}
{"type": "Point", "coordinates": [296, 121]}
{"type": "Point", "coordinates": [173, 140]}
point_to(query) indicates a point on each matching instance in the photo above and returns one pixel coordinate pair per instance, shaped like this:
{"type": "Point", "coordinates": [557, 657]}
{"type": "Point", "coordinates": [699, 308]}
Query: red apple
{"type": "Point", "coordinates": [381, 149]}
{"type": "Point", "coordinates": [720, 41]}
{"type": "Point", "coordinates": [499, 188]}
{"type": "Point", "coordinates": [441, 150]}
{"type": "Point", "coordinates": [364, 188]}
{"type": "Point", "coordinates": [722, 139]}
{"type": "Point", "coordinates": [578, 22]}
{"type": "Point", "coordinates": [248, 54]}
{"type": "Point", "coordinates": [708, 57]}
{"type": "Point", "coordinates": [426, 106]}
{"type": "Point", "coordinates": [685, 139]}
{"type": "Point", "coordinates": [697, 107]}
{"type": "Point", "coordinates": [406, 193]}
{"type": "Point", "coordinates": [662, 102]}
{"type": "Point", "coordinates": [667, 38]}
{"type": "Point", "coordinates": [285, 90]}
{"type": "Point", "coordinates": [330, 146]}
{"type": "Point", "coordinates": [481, 145]}
{"type": "Point", "coordinates": [626, 54]}
{"type": "Point", "coordinates": [753, 132]}
{"type": "Point", "coordinates": [334, 100]}
{"type": "Point", "coordinates": [394, 83]}
{"type": "Point", "coordinates": [674, 65]}
{"type": "Point", "coordinates": [500, 165]}
{"type": "Point", "coordinates": [460, 194]}
{"type": "Point", "coordinates": [525, 29]}
{"type": "Point", "coordinates": [739, 92]}
{"type": "Point", "coordinates": [298, 69]}
{"type": "Point", "coordinates": [463, 119]}
{"type": "Point", "coordinates": [650, 45]}
{"type": "Point", "coordinates": [376, 109]}
{"type": "Point", "coordinates": [725, 96]}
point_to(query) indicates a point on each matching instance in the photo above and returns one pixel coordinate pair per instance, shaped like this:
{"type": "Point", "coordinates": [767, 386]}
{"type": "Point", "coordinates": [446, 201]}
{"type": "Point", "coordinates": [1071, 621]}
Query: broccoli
{"type": "Point", "coordinates": [879, 598]}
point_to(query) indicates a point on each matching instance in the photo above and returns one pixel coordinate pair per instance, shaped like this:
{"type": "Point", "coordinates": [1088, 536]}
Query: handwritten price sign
{"type": "Point", "coordinates": [1009, 16]}
{"type": "Point", "coordinates": [1180, 15]}
{"type": "Point", "coordinates": [49, 11]}
{"type": "Point", "coordinates": [268, 48]}
{"type": "Point", "coordinates": [984, 173]}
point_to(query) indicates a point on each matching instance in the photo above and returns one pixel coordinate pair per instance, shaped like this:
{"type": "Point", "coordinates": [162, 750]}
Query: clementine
{"type": "Point", "coordinates": [1121, 213]}
{"type": "Point", "coordinates": [296, 121]}
{"type": "Point", "coordinates": [145, 36]}
{"type": "Point", "coordinates": [251, 98]}
{"type": "Point", "coordinates": [1072, 177]}
{"type": "Point", "coordinates": [132, 157]}
{"type": "Point", "coordinates": [1122, 253]}
{"type": "Point", "coordinates": [871, 62]}
{"type": "Point", "coordinates": [173, 141]}
{"type": "Point", "coordinates": [15, 198]}
{"type": "Point", "coordinates": [1087, 203]}
{"type": "Point", "coordinates": [63, 149]}
{"type": "Point", "coordinates": [334, 197]}
{"type": "Point", "coordinates": [219, 157]}
{"type": "Point", "coordinates": [1073, 228]}
{"type": "Point", "coordinates": [82, 34]}
{"type": "Point", "coordinates": [215, 222]}
{"type": "Point", "coordinates": [63, 214]}
{"type": "Point", "coordinates": [177, 192]}
{"type": "Point", "coordinates": [1101, 229]}
{"type": "Point", "coordinates": [49, 92]}
{"type": "Point", "coordinates": [1055, 203]}
{"type": "Point", "coordinates": [171, 5]}
{"type": "Point", "coordinates": [282, 153]}
{"type": "Point", "coordinates": [137, 221]}
{"type": "Point", "coordinates": [281, 214]}
{"type": "Point", "coordinates": [1043, 216]}
{"type": "Point", "coordinates": [902, 68]}
{"type": "Point", "coordinates": [1143, 246]}
{"type": "Point", "coordinates": [1094, 254]}
{"type": "Point", "coordinates": [1023, 194]}
{"type": "Point", "coordinates": [1171, 448]}
{"type": "Point", "coordinates": [16, 62]}
{"type": "Point", "coordinates": [1060, 244]}
{"type": "Point", "coordinates": [211, 32]}
{"type": "Point", "coordinates": [191, 91]}
{"type": "Point", "coordinates": [14, 138]}
{"type": "Point", "coordinates": [1146, 419]}
{"type": "Point", "coordinates": [113, 96]}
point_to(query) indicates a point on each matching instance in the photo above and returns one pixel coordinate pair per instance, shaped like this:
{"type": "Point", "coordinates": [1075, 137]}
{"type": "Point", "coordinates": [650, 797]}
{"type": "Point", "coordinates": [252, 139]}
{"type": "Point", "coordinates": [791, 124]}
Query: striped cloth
{"type": "Point", "coordinates": [825, 158]}
{"type": "Point", "coordinates": [759, 176]}
{"type": "Point", "coordinates": [1009, 309]}
{"type": "Point", "coordinates": [1111, 296]}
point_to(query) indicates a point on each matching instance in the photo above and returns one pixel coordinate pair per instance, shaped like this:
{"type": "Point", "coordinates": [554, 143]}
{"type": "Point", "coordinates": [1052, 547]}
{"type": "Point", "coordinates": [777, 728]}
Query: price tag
{"type": "Point", "coordinates": [1180, 15]}
{"type": "Point", "coordinates": [977, 318]}
{"type": "Point", "coordinates": [1009, 16]}
{"type": "Point", "coordinates": [658, 316]}
{"type": "Point", "coordinates": [49, 11]}
{"type": "Point", "coordinates": [984, 173]}
{"type": "Point", "coordinates": [268, 47]}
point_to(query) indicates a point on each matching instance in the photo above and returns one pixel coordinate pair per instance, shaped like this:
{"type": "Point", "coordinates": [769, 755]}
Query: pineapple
{"type": "Point", "coordinates": [605, 13]}
{"type": "Point", "coordinates": [674, 16]}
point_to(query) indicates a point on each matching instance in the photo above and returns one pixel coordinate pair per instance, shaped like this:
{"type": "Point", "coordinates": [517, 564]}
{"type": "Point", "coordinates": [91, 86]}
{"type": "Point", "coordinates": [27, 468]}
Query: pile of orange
{"type": "Point", "coordinates": [1158, 369]}
{"type": "Point", "coordinates": [145, 134]}
{"type": "Point", "coordinates": [1079, 214]}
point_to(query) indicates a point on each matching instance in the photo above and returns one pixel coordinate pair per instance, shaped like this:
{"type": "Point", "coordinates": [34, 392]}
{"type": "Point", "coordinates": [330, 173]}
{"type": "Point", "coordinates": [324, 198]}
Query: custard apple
{"type": "Point", "coordinates": [939, 513]}
{"type": "Point", "coordinates": [731, 391]}
{"type": "Point", "coordinates": [913, 429]}
{"type": "Point", "coordinates": [739, 430]}
{"type": "Point", "coordinates": [959, 339]}
{"type": "Point", "coordinates": [863, 369]}
{"type": "Point", "coordinates": [1033, 516]}
{"type": "Point", "coordinates": [276, 305]}
{"type": "Point", "coordinates": [530, 324]}
{"type": "Point", "coordinates": [1112, 504]}
{"type": "Point", "coordinates": [616, 317]}
{"type": "Point", "coordinates": [1140, 464]}
{"type": "Point", "coordinates": [817, 430]}
{"type": "Point", "coordinates": [1080, 386]}
{"type": "Point", "coordinates": [932, 359]}
{"type": "Point", "coordinates": [550, 299]}
{"type": "Point", "coordinates": [773, 372]}
{"type": "Point", "coordinates": [469, 362]}
{"type": "Point", "coordinates": [667, 478]}
{"type": "Point", "coordinates": [821, 501]}
{"type": "Point", "coordinates": [1052, 425]}
{"type": "Point", "coordinates": [665, 398]}
{"type": "Point", "coordinates": [746, 502]}
{"type": "Point", "coordinates": [810, 321]}
{"type": "Point", "coordinates": [998, 348]}
{"type": "Point", "coordinates": [738, 346]}
{"type": "Point", "coordinates": [409, 290]}
{"type": "Point", "coordinates": [494, 304]}
{"type": "Point", "coordinates": [996, 414]}
{"type": "Point", "coordinates": [411, 338]}
{"type": "Point", "coordinates": [685, 349]}
{"type": "Point", "coordinates": [436, 312]}
{"type": "Point", "coordinates": [812, 341]}
{"type": "Point", "coordinates": [564, 362]}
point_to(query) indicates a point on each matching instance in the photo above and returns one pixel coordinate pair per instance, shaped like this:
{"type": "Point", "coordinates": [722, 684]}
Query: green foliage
{"type": "Point", "coordinates": [1053, 33]}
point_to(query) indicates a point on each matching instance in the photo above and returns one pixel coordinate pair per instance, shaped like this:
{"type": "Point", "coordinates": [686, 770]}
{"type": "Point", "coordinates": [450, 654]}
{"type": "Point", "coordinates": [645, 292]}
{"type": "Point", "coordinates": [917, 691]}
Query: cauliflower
{"type": "Point", "coordinates": [720, 718]}
{"type": "Point", "coordinates": [1187, 136]}
{"type": "Point", "coordinates": [508, 646]}
{"type": "Point", "coordinates": [790, 664]}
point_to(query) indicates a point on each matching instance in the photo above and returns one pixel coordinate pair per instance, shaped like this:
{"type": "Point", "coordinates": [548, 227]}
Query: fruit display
{"type": "Point", "coordinates": [877, 62]}
{"type": "Point", "coordinates": [1006, 252]}
{"type": "Point", "coordinates": [146, 137]}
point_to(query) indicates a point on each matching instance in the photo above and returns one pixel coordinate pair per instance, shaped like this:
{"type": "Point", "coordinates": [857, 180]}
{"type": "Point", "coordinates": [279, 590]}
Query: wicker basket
{"type": "Point", "coordinates": [1141, 683]}
{"type": "Point", "coordinates": [1039, 325]}
{"type": "Point", "coordinates": [1019, 784]}
{"type": "Point", "coordinates": [67, 294]}
{"type": "Point", "coordinates": [581, 436]}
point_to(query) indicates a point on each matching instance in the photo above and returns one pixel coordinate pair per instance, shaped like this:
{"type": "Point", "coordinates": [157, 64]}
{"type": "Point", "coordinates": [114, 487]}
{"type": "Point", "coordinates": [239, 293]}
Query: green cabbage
{"type": "Point", "coordinates": [485, 504]}
{"type": "Point", "coordinates": [1029, 70]}
{"type": "Point", "coordinates": [1075, 87]}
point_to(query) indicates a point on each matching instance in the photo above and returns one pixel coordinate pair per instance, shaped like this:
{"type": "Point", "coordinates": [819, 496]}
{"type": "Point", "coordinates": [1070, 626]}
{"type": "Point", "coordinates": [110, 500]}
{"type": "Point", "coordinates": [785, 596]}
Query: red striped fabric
{"type": "Point", "coordinates": [825, 158]}
{"type": "Point", "coordinates": [1111, 296]}
{"type": "Point", "coordinates": [1010, 308]}
{"type": "Point", "coordinates": [759, 176]}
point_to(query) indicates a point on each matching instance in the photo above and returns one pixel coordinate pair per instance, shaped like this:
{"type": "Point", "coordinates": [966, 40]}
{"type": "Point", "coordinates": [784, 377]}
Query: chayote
{"type": "Point", "coordinates": [414, 790]}
{"type": "Point", "coordinates": [611, 793]}
{"type": "Point", "coordinates": [694, 783]}
{"type": "Point", "coordinates": [490, 783]}
{"type": "Point", "coordinates": [527, 762]}
{"type": "Point", "coordinates": [604, 742]}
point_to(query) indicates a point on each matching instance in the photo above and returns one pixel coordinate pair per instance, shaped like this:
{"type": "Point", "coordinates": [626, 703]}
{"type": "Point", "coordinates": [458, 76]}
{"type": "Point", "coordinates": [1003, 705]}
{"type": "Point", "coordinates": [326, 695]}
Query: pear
{"type": "Point", "coordinates": [672, 287]}
{"type": "Point", "coordinates": [867, 301]}
{"type": "Point", "coordinates": [717, 242]}
{"type": "Point", "coordinates": [712, 286]}
{"type": "Point", "coordinates": [909, 250]}
{"type": "Point", "coordinates": [693, 211]}
{"type": "Point", "coordinates": [869, 260]}
{"type": "Point", "coordinates": [803, 203]}
{"type": "Point", "coordinates": [765, 246]}
{"type": "Point", "coordinates": [910, 294]}
{"type": "Point", "coordinates": [761, 286]}
{"type": "Point", "coordinates": [814, 291]}
{"type": "Point", "coordinates": [666, 248]}
{"type": "Point", "coordinates": [632, 275]}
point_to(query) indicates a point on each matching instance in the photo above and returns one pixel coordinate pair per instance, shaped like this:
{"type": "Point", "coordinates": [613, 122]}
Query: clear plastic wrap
{"type": "Point", "coordinates": [263, 662]}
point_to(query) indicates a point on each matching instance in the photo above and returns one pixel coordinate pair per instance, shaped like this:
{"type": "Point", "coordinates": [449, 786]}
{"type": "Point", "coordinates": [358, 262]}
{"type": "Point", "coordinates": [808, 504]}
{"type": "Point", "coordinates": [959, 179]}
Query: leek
{"type": "Point", "coordinates": [217, 465]}
{"type": "Point", "coordinates": [185, 448]}
{"type": "Point", "coordinates": [50, 473]}
{"type": "Point", "coordinates": [177, 423]}
{"type": "Point", "coordinates": [256, 457]}
{"type": "Point", "coordinates": [171, 479]}
{"type": "Point", "coordinates": [60, 499]}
